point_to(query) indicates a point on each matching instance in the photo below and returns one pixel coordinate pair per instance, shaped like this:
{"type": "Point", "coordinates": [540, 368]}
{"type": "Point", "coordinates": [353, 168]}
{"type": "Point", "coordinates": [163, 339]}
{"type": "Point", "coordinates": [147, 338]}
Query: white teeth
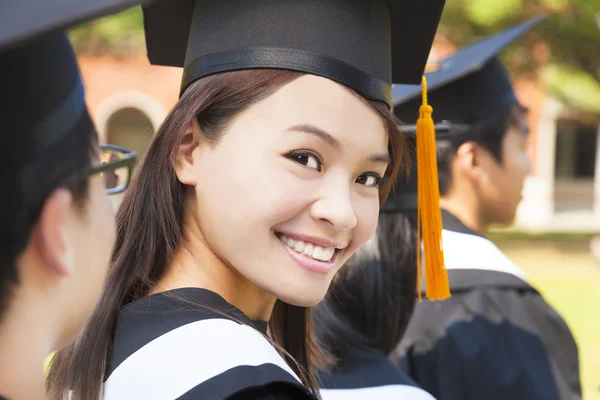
{"type": "Point", "coordinates": [318, 253]}
{"type": "Point", "coordinates": [299, 247]}
{"type": "Point", "coordinates": [309, 249]}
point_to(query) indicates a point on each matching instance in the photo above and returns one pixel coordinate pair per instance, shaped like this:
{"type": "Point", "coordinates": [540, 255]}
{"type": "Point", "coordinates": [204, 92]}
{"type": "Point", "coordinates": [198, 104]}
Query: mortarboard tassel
{"type": "Point", "coordinates": [429, 225]}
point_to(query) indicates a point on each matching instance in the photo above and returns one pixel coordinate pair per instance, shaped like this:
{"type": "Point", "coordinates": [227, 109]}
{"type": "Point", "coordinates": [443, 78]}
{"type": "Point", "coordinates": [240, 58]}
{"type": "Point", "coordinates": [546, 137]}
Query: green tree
{"type": "Point", "coordinates": [564, 50]}
{"type": "Point", "coordinates": [119, 34]}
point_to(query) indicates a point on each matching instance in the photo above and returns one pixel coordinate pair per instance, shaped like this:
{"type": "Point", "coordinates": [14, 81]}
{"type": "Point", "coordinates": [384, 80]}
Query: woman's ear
{"type": "Point", "coordinates": [186, 155]}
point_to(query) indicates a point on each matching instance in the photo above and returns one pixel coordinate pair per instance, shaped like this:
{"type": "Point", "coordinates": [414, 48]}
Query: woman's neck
{"type": "Point", "coordinates": [24, 344]}
{"type": "Point", "coordinates": [196, 265]}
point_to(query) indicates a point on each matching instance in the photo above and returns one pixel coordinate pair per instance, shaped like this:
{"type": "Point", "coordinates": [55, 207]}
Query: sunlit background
{"type": "Point", "coordinates": [556, 70]}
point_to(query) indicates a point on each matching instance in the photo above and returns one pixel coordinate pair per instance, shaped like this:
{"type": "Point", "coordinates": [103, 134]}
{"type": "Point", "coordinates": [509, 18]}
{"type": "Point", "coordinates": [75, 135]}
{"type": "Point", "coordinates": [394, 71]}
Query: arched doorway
{"type": "Point", "coordinates": [130, 128]}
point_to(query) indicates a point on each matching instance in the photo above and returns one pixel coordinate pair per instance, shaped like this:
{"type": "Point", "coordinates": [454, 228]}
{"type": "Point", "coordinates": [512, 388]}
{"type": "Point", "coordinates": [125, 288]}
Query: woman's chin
{"type": "Point", "coordinates": [304, 298]}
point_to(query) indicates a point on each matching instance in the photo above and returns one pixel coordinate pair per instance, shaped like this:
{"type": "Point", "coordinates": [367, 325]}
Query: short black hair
{"type": "Point", "coordinates": [372, 298]}
{"type": "Point", "coordinates": [488, 133]}
{"type": "Point", "coordinates": [25, 191]}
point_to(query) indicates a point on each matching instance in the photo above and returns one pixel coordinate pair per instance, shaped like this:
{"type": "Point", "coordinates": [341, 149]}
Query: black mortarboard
{"type": "Point", "coordinates": [467, 87]}
{"type": "Point", "coordinates": [41, 92]}
{"type": "Point", "coordinates": [42, 98]}
{"type": "Point", "coordinates": [21, 20]}
{"type": "Point", "coordinates": [363, 44]}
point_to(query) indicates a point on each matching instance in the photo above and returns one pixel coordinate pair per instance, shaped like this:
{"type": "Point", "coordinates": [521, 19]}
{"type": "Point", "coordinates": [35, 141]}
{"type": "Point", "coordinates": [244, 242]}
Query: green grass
{"type": "Point", "coordinates": [569, 278]}
{"type": "Point", "coordinates": [577, 299]}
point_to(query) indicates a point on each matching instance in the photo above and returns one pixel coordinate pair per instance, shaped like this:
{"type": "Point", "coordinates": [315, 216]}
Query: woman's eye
{"type": "Point", "coordinates": [370, 180]}
{"type": "Point", "coordinates": [307, 159]}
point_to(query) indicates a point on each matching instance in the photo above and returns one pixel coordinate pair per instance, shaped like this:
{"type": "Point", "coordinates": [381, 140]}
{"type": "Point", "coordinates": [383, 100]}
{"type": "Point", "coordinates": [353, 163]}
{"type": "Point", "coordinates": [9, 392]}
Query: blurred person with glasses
{"type": "Point", "coordinates": [58, 227]}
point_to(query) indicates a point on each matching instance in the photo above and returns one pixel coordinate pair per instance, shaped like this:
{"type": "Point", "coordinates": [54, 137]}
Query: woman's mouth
{"type": "Point", "coordinates": [309, 255]}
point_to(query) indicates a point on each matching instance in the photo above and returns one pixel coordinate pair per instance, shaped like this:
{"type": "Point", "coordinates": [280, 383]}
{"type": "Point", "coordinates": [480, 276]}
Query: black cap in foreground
{"type": "Point", "coordinates": [22, 20]}
{"type": "Point", "coordinates": [42, 98]}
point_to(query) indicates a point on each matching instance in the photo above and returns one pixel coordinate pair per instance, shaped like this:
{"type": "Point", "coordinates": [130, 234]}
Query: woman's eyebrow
{"type": "Point", "coordinates": [320, 133]}
{"type": "Point", "coordinates": [380, 158]}
{"type": "Point", "coordinates": [333, 142]}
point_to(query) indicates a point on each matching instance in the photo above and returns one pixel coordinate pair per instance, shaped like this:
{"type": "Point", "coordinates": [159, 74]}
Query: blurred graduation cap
{"type": "Point", "coordinates": [363, 44]}
{"type": "Point", "coordinates": [21, 20]}
{"type": "Point", "coordinates": [465, 88]}
{"type": "Point", "coordinates": [41, 93]}
{"type": "Point", "coordinates": [42, 98]}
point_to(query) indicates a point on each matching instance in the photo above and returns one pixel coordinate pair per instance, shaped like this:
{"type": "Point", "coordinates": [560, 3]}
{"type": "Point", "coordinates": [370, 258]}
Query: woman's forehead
{"type": "Point", "coordinates": [324, 104]}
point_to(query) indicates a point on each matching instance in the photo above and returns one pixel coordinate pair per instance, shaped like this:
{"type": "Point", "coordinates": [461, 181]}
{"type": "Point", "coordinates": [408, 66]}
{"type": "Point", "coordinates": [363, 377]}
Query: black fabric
{"type": "Point", "coordinates": [273, 391]}
{"type": "Point", "coordinates": [451, 223]}
{"type": "Point", "coordinates": [289, 59]}
{"type": "Point", "coordinates": [146, 319]}
{"type": "Point", "coordinates": [241, 382]}
{"type": "Point", "coordinates": [366, 45]}
{"type": "Point", "coordinates": [23, 20]}
{"type": "Point", "coordinates": [495, 338]}
{"type": "Point", "coordinates": [42, 99]}
{"type": "Point", "coordinates": [363, 369]}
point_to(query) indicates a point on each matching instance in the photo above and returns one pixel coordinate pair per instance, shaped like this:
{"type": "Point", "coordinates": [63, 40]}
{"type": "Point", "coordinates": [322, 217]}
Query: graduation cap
{"type": "Point", "coordinates": [22, 20]}
{"type": "Point", "coordinates": [41, 93]}
{"type": "Point", "coordinates": [42, 98]}
{"type": "Point", "coordinates": [363, 44]}
{"type": "Point", "coordinates": [465, 88]}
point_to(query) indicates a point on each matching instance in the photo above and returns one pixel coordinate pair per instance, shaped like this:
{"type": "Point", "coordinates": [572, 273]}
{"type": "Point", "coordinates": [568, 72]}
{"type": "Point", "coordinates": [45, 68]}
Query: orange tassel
{"type": "Point", "coordinates": [429, 226]}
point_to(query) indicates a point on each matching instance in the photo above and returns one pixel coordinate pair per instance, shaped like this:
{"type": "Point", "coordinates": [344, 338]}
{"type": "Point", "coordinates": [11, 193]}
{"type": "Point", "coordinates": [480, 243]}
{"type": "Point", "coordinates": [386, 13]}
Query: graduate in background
{"type": "Point", "coordinates": [496, 338]}
{"type": "Point", "coordinates": [262, 181]}
{"type": "Point", "coordinates": [368, 306]}
{"type": "Point", "coordinates": [58, 228]}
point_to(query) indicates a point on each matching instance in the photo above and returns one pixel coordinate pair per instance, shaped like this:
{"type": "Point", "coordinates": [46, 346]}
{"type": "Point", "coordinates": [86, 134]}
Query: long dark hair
{"type": "Point", "coordinates": [371, 300]}
{"type": "Point", "coordinates": [149, 231]}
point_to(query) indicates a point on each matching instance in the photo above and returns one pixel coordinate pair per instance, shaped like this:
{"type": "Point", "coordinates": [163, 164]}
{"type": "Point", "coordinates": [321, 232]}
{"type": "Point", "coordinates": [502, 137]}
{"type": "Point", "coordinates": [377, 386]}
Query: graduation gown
{"type": "Point", "coordinates": [191, 344]}
{"type": "Point", "coordinates": [368, 375]}
{"type": "Point", "coordinates": [495, 338]}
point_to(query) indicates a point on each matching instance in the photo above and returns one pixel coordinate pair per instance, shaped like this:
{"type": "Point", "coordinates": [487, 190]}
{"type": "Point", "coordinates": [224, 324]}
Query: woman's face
{"type": "Point", "coordinates": [290, 192]}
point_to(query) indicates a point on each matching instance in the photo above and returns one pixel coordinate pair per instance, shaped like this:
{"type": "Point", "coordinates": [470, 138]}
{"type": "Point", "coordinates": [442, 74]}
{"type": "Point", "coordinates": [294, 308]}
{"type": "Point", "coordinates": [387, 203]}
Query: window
{"type": "Point", "coordinates": [130, 128]}
{"type": "Point", "coordinates": [575, 166]}
{"type": "Point", "coordinates": [575, 150]}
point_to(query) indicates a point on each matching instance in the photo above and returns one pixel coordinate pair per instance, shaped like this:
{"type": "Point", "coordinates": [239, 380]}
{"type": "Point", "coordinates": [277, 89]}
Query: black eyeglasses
{"type": "Point", "coordinates": [116, 167]}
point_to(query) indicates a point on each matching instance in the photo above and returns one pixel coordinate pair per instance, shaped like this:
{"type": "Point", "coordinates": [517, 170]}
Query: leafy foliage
{"type": "Point", "coordinates": [564, 49]}
{"type": "Point", "coordinates": [119, 34]}
{"type": "Point", "coordinates": [569, 40]}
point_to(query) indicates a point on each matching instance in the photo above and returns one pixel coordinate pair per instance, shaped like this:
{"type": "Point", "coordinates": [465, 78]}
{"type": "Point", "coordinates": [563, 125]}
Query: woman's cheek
{"type": "Point", "coordinates": [367, 214]}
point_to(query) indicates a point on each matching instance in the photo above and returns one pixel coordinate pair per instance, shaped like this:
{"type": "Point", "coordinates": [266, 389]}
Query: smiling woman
{"type": "Point", "coordinates": [263, 180]}
{"type": "Point", "coordinates": [220, 189]}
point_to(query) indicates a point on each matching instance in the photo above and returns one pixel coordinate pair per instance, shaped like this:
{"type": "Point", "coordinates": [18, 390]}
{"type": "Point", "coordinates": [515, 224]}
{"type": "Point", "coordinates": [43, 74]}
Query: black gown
{"type": "Point", "coordinates": [368, 375]}
{"type": "Point", "coordinates": [191, 344]}
{"type": "Point", "coordinates": [495, 338]}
